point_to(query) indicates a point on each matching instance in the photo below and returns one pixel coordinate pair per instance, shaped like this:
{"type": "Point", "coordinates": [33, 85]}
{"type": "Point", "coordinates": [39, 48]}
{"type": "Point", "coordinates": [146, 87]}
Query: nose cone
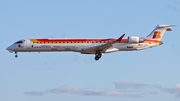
{"type": "Point", "coordinates": [10, 48]}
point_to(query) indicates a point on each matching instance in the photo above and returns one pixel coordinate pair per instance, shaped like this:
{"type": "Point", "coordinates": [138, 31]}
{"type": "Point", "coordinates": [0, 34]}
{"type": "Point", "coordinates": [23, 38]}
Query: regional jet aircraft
{"type": "Point", "coordinates": [97, 46]}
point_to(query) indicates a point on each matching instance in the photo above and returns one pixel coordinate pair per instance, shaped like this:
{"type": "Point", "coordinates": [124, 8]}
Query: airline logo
{"type": "Point", "coordinates": [157, 35]}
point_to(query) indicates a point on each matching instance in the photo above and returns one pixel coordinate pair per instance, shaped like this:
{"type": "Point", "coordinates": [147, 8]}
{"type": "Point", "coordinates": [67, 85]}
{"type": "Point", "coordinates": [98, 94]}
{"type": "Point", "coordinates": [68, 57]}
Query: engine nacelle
{"type": "Point", "coordinates": [135, 39]}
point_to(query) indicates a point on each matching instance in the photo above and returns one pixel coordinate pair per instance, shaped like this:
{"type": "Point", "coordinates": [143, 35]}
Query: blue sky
{"type": "Point", "coordinates": [147, 75]}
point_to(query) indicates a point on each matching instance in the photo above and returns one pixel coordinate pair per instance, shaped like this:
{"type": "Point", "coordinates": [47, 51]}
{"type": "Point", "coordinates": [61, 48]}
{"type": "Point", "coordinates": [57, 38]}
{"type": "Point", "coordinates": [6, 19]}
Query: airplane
{"type": "Point", "coordinates": [96, 46]}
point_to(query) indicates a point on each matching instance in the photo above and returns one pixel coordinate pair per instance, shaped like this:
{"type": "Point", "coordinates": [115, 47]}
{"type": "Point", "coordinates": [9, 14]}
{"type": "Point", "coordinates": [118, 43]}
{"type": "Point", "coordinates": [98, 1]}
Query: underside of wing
{"type": "Point", "coordinates": [100, 48]}
{"type": "Point", "coordinates": [92, 50]}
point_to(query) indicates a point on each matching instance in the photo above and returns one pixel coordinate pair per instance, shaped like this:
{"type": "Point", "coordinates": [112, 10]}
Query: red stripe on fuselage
{"type": "Point", "coordinates": [79, 40]}
{"type": "Point", "coordinates": [89, 40]}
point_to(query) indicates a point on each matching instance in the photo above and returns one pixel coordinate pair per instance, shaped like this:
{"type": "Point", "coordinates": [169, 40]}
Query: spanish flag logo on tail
{"type": "Point", "coordinates": [158, 32]}
{"type": "Point", "coordinates": [157, 35]}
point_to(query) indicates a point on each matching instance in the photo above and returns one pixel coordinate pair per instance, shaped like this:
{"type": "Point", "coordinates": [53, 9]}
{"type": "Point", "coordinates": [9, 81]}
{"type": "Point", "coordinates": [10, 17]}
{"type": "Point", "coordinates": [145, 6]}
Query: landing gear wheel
{"type": "Point", "coordinates": [16, 55]}
{"type": "Point", "coordinates": [96, 58]}
{"type": "Point", "coordinates": [98, 55]}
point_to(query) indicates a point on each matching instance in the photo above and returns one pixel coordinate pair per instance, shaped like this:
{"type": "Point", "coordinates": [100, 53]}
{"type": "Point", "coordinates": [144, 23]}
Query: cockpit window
{"type": "Point", "coordinates": [18, 42]}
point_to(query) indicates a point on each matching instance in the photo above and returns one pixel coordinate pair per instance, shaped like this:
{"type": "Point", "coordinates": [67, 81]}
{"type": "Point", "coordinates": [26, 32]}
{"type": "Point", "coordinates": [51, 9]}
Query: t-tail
{"type": "Point", "coordinates": [158, 32]}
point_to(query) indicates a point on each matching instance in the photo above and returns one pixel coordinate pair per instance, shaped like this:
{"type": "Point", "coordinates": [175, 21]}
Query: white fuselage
{"type": "Point", "coordinates": [91, 45]}
{"type": "Point", "coordinates": [29, 46]}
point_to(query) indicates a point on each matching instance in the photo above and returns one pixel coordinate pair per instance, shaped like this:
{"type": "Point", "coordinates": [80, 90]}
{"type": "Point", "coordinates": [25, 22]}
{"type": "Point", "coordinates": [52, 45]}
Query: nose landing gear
{"type": "Point", "coordinates": [16, 55]}
{"type": "Point", "coordinates": [98, 55]}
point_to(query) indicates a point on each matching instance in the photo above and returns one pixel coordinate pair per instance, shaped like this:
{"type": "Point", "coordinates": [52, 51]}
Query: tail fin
{"type": "Point", "coordinates": [159, 31]}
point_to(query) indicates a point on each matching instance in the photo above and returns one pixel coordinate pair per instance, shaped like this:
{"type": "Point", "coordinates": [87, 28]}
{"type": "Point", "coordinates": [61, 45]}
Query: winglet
{"type": "Point", "coordinates": [120, 38]}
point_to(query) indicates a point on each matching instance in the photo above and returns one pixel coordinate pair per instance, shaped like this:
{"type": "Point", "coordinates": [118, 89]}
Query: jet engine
{"type": "Point", "coordinates": [135, 39]}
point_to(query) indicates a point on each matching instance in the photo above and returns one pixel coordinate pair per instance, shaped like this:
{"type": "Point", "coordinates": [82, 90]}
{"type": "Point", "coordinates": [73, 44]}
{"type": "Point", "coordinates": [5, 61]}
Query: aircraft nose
{"type": "Point", "coordinates": [10, 48]}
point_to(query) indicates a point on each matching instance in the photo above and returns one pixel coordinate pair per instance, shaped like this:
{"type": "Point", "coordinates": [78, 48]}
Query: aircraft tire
{"type": "Point", "coordinates": [96, 58]}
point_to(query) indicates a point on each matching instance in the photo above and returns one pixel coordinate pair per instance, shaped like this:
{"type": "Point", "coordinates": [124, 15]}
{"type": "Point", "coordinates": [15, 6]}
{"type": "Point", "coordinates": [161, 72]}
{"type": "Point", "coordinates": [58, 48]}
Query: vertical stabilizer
{"type": "Point", "coordinates": [158, 32]}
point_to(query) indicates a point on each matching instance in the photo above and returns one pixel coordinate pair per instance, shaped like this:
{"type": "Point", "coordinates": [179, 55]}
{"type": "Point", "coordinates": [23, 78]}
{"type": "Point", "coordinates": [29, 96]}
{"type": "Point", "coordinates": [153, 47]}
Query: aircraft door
{"type": "Point", "coordinates": [28, 44]}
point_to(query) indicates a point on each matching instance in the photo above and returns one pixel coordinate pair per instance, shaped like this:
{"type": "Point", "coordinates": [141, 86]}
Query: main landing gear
{"type": "Point", "coordinates": [98, 55]}
{"type": "Point", "coordinates": [16, 55]}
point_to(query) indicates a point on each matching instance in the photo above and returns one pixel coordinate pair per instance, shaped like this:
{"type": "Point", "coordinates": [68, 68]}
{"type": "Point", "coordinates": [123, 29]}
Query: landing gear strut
{"type": "Point", "coordinates": [16, 55]}
{"type": "Point", "coordinates": [98, 55]}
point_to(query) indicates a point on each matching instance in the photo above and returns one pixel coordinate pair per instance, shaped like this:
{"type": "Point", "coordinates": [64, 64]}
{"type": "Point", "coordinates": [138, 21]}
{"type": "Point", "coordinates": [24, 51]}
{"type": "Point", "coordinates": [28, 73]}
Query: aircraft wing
{"type": "Point", "coordinates": [102, 48]}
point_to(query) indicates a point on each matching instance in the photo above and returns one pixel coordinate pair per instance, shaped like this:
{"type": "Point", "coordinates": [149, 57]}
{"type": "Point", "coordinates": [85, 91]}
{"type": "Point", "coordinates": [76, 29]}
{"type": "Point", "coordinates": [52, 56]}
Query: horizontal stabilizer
{"type": "Point", "coordinates": [163, 26]}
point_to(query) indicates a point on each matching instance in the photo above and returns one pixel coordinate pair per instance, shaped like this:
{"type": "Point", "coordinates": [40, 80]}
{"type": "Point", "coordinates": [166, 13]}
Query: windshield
{"type": "Point", "coordinates": [18, 42]}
